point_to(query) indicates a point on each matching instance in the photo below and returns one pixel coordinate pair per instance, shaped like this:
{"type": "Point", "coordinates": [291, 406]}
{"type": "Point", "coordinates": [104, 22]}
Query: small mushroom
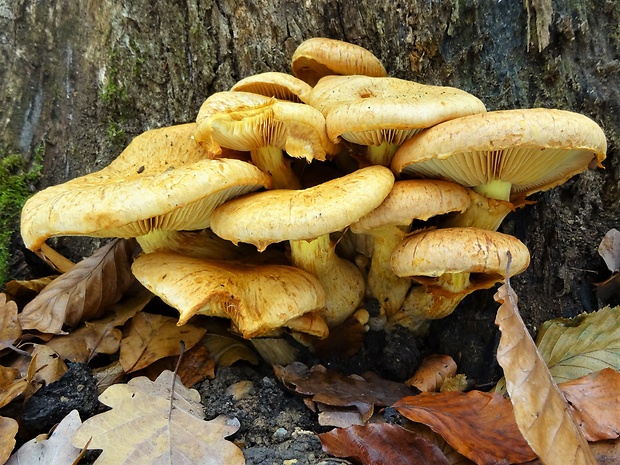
{"type": "Point", "coordinates": [305, 218]}
{"type": "Point", "coordinates": [382, 113]}
{"type": "Point", "coordinates": [318, 57]}
{"type": "Point", "coordinates": [451, 263]}
{"type": "Point", "coordinates": [257, 299]}
{"type": "Point", "coordinates": [505, 155]}
{"type": "Point", "coordinates": [162, 180]}
{"type": "Point", "coordinates": [267, 128]}
{"type": "Point", "coordinates": [415, 199]}
{"type": "Point", "coordinates": [277, 85]}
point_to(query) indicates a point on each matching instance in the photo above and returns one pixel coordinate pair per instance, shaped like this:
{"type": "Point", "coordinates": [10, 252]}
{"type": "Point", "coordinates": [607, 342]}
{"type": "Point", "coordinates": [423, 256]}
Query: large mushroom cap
{"type": "Point", "coordinates": [162, 180]}
{"type": "Point", "coordinates": [318, 57]}
{"type": "Point", "coordinates": [459, 250]}
{"type": "Point", "coordinates": [256, 298]}
{"type": "Point", "coordinates": [280, 215]}
{"type": "Point", "coordinates": [530, 150]}
{"type": "Point", "coordinates": [369, 111]}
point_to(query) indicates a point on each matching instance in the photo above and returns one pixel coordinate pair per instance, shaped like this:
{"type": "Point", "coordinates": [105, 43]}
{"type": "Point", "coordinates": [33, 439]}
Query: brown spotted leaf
{"type": "Point", "coordinates": [141, 428]}
{"type": "Point", "coordinates": [478, 425]}
{"type": "Point", "coordinates": [540, 409]}
{"type": "Point", "coordinates": [152, 337]}
{"type": "Point", "coordinates": [83, 292]}
{"type": "Point", "coordinates": [382, 444]}
{"type": "Point", "coordinates": [331, 388]}
{"type": "Point", "coordinates": [432, 372]}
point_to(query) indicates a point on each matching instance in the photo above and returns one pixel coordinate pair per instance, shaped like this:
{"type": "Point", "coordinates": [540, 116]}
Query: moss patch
{"type": "Point", "coordinates": [16, 177]}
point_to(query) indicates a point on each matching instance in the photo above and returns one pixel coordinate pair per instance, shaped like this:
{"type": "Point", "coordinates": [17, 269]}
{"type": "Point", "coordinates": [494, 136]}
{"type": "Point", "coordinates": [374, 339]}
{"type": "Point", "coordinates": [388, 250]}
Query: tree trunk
{"type": "Point", "coordinates": [82, 78]}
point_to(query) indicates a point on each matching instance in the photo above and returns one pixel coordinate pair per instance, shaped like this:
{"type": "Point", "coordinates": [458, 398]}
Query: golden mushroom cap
{"type": "Point", "coordinates": [277, 85]}
{"type": "Point", "coordinates": [370, 111]}
{"type": "Point", "coordinates": [318, 57]}
{"type": "Point", "coordinates": [256, 298]}
{"type": "Point", "coordinates": [533, 149]}
{"type": "Point", "coordinates": [459, 250]}
{"type": "Point", "coordinates": [281, 215]}
{"type": "Point", "coordinates": [413, 199]}
{"type": "Point", "coordinates": [162, 180]}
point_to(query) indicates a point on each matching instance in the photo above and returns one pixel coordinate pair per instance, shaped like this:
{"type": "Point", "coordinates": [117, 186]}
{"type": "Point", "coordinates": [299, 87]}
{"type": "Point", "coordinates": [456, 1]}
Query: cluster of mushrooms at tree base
{"type": "Point", "coordinates": [291, 198]}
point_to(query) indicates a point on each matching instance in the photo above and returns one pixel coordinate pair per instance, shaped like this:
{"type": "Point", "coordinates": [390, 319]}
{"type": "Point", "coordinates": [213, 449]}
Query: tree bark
{"type": "Point", "coordinates": [82, 78]}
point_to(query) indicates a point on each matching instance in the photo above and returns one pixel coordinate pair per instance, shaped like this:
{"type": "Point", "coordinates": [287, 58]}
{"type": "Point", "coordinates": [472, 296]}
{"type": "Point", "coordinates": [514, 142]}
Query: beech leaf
{"type": "Point", "coordinates": [140, 428]}
{"type": "Point", "coordinates": [478, 425]}
{"type": "Point", "coordinates": [540, 409]}
{"type": "Point", "coordinates": [83, 292]}
{"type": "Point", "coordinates": [432, 372]}
{"type": "Point", "coordinates": [152, 337]}
{"type": "Point", "coordinates": [382, 444]}
{"type": "Point", "coordinates": [53, 450]}
{"type": "Point", "coordinates": [578, 346]}
{"type": "Point", "coordinates": [8, 431]}
{"type": "Point", "coordinates": [10, 329]}
{"type": "Point", "coordinates": [609, 249]}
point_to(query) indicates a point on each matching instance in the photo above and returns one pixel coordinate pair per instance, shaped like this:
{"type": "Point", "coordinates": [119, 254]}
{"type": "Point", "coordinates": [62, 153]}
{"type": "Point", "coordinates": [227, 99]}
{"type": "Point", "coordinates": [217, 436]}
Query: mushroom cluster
{"type": "Point", "coordinates": [293, 198]}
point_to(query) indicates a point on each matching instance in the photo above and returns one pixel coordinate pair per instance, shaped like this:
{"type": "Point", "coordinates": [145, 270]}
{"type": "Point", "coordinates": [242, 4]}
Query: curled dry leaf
{"type": "Point", "coordinates": [83, 292]}
{"type": "Point", "coordinates": [10, 329]}
{"type": "Point", "coordinates": [432, 372]}
{"type": "Point", "coordinates": [152, 337]}
{"type": "Point", "coordinates": [609, 250]}
{"type": "Point", "coordinates": [140, 427]}
{"type": "Point", "coordinates": [23, 292]}
{"type": "Point", "coordinates": [226, 349]}
{"type": "Point", "coordinates": [382, 444]}
{"type": "Point", "coordinates": [478, 425]}
{"type": "Point", "coordinates": [540, 409]}
{"type": "Point", "coordinates": [53, 450]}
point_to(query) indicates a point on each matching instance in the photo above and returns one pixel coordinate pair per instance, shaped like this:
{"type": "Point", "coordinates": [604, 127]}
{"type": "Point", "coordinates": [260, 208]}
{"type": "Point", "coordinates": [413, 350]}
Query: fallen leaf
{"type": "Point", "coordinates": [382, 444]}
{"type": "Point", "coordinates": [139, 428]}
{"type": "Point", "coordinates": [332, 388]}
{"type": "Point", "coordinates": [432, 372]}
{"type": "Point", "coordinates": [108, 375]}
{"type": "Point", "coordinates": [84, 343]}
{"type": "Point", "coordinates": [151, 337]}
{"type": "Point", "coordinates": [595, 400]}
{"type": "Point", "coordinates": [540, 409]}
{"type": "Point", "coordinates": [606, 453]}
{"type": "Point", "coordinates": [575, 347]}
{"type": "Point", "coordinates": [8, 431]}
{"type": "Point", "coordinates": [23, 292]}
{"type": "Point", "coordinates": [478, 425]}
{"type": "Point", "coordinates": [53, 450]}
{"type": "Point", "coordinates": [609, 249]}
{"type": "Point", "coordinates": [454, 458]}
{"type": "Point", "coordinates": [226, 350]}
{"type": "Point", "coordinates": [10, 329]}
{"type": "Point", "coordinates": [83, 292]}
{"type": "Point", "coordinates": [195, 366]}
{"type": "Point", "coordinates": [45, 367]}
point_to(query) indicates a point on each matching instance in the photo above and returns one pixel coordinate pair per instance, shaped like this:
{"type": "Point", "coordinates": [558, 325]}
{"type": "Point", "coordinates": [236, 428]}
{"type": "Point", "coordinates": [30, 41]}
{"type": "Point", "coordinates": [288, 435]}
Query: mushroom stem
{"type": "Point", "coordinates": [271, 160]}
{"type": "Point", "coordinates": [483, 213]}
{"type": "Point", "coordinates": [390, 290]}
{"type": "Point", "coordinates": [381, 154]}
{"type": "Point", "coordinates": [341, 279]}
{"type": "Point", "coordinates": [495, 189]}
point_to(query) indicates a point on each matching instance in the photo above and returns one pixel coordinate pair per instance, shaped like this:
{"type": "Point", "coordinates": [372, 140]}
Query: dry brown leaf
{"type": "Point", "coordinates": [139, 429]}
{"type": "Point", "coordinates": [595, 400]}
{"type": "Point", "coordinates": [83, 292]}
{"type": "Point", "coordinates": [540, 409]}
{"type": "Point", "coordinates": [226, 350]}
{"type": "Point", "coordinates": [432, 372]}
{"type": "Point", "coordinates": [382, 444]}
{"type": "Point", "coordinates": [478, 425]}
{"type": "Point", "coordinates": [12, 390]}
{"type": "Point", "coordinates": [23, 292]}
{"type": "Point", "coordinates": [108, 375]}
{"type": "Point", "coordinates": [151, 337]}
{"type": "Point", "coordinates": [84, 343]}
{"type": "Point", "coordinates": [609, 250]}
{"type": "Point", "coordinates": [454, 458]}
{"type": "Point", "coordinates": [332, 388]}
{"type": "Point", "coordinates": [8, 431]}
{"type": "Point", "coordinates": [10, 329]}
{"type": "Point", "coordinates": [45, 367]}
{"type": "Point", "coordinates": [195, 366]}
{"type": "Point", "coordinates": [53, 450]}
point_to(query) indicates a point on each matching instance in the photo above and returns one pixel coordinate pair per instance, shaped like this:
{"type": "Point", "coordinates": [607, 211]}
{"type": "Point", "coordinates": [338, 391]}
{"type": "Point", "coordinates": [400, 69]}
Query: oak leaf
{"type": "Point", "coordinates": [382, 444]}
{"type": "Point", "coordinates": [140, 427]}
{"type": "Point", "coordinates": [152, 337]}
{"type": "Point", "coordinates": [55, 449]}
{"type": "Point", "coordinates": [83, 292]}
{"type": "Point", "coordinates": [540, 409]}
